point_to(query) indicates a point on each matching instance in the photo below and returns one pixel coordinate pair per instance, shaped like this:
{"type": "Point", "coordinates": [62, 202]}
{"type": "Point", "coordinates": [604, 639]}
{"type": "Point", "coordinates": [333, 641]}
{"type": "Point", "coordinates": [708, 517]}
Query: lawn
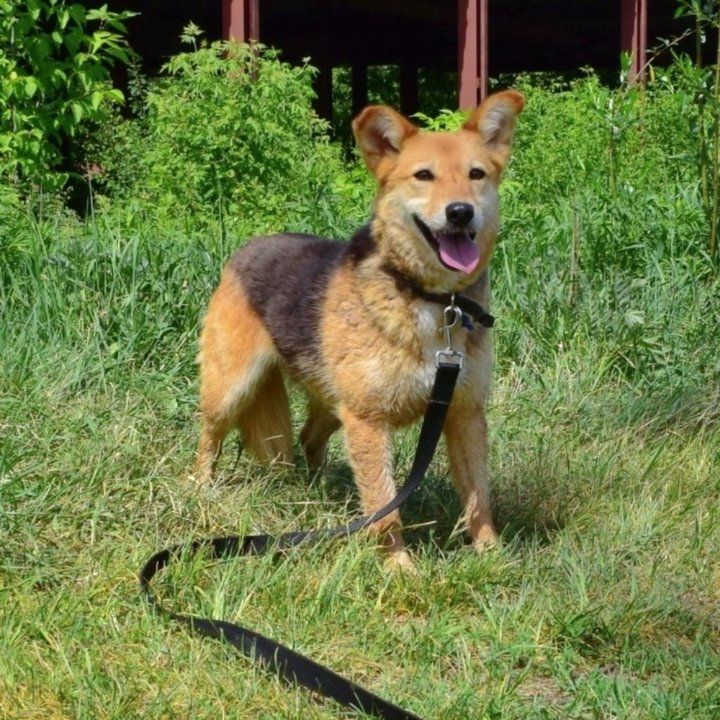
{"type": "Point", "coordinates": [603, 600]}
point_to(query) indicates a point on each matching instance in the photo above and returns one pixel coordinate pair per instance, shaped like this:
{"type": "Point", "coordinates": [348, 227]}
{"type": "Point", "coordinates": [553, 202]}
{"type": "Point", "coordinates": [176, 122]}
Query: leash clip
{"type": "Point", "coordinates": [452, 317]}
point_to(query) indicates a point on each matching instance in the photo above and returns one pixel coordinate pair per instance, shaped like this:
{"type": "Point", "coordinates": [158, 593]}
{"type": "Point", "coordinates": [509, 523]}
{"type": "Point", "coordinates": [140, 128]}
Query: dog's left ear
{"type": "Point", "coordinates": [380, 133]}
{"type": "Point", "coordinates": [495, 118]}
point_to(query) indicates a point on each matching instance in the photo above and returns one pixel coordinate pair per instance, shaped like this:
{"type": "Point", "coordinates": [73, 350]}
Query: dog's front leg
{"type": "Point", "coordinates": [369, 450]}
{"type": "Point", "coordinates": [466, 438]}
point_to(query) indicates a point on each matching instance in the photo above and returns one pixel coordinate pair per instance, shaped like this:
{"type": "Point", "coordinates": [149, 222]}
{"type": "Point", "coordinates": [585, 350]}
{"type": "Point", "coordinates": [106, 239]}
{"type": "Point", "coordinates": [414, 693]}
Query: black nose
{"type": "Point", "coordinates": [459, 214]}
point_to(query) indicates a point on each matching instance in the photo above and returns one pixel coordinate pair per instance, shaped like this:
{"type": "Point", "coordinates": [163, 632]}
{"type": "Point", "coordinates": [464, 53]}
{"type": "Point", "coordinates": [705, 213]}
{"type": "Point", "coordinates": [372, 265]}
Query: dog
{"type": "Point", "coordinates": [355, 323]}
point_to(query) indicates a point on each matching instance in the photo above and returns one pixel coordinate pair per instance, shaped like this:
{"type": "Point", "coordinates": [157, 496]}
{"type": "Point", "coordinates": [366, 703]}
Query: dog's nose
{"type": "Point", "coordinates": [459, 214]}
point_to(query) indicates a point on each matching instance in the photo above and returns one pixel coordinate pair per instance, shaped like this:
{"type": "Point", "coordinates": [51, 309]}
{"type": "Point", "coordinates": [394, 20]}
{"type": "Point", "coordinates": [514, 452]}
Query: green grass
{"type": "Point", "coordinates": [603, 601]}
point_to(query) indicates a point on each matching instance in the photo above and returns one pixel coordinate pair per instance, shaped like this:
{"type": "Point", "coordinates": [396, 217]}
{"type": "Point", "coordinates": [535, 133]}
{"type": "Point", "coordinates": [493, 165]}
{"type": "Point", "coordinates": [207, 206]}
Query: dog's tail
{"type": "Point", "coordinates": [265, 422]}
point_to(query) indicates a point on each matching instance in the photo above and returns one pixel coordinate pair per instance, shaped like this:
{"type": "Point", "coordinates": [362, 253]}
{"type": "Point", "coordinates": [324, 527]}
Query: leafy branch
{"type": "Point", "coordinates": [55, 62]}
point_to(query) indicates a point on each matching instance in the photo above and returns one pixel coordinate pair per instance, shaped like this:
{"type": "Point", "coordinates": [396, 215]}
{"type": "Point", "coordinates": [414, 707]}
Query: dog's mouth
{"type": "Point", "coordinates": [456, 249]}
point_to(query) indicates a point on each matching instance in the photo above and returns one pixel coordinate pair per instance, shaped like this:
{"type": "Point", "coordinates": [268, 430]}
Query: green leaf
{"type": "Point", "coordinates": [73, 40]}
{"type": "Point", "coordinates": [59, 77]}
{"type": "Point", "coordinates": [115, 95]}
{"type": "Point", "coordinates": [31, 86]}
{"type": "Point", "coordinates": [77, 111]}
{"type": "Point", "coordinates": [77, 13]}
{"type": "Point", "coordinates": [96, 99]}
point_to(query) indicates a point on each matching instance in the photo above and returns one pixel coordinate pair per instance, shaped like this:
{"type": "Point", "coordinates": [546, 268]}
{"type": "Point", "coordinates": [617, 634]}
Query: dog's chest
{"type": "Point", "coordinates": [430, 335]}
{"type": "Point", "coordinates": [404, 378]}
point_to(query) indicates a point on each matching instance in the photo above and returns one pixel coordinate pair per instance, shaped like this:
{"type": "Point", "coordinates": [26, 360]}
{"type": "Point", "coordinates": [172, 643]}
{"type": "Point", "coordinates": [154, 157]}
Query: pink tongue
{"type": "Point", "coordinates": [458, 251]}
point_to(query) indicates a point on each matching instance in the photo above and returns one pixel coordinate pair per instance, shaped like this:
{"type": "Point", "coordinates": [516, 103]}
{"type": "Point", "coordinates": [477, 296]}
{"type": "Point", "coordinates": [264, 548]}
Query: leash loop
{"type": "Point", "coordinates": [285, 662]}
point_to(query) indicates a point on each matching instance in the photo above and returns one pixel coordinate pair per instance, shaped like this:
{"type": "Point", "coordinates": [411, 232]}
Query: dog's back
{"type": "Point", "coordinates": [285, 279]}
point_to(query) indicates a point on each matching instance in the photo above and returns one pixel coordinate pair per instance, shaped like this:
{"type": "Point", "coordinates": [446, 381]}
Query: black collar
{"type": "Point", "coordinates": [468, 306]}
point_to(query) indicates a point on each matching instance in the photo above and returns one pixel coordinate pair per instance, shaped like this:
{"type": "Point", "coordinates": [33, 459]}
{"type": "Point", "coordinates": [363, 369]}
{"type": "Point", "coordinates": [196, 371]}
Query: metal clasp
{"type": "Point", "coordinates": [452, 318]}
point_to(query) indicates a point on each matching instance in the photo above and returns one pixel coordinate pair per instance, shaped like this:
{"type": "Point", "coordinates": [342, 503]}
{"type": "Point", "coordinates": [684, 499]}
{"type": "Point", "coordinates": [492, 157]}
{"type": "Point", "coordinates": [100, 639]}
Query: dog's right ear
{"type": "Point", "coordinates": [495, 119]}
{"type": "Point", "coordinates": [380, 133]}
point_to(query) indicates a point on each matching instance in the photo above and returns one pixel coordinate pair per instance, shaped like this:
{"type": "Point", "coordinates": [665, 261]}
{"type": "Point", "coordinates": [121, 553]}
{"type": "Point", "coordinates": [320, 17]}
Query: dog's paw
{"type": "Point", "coordinates": [486, 539]}
{"type": "Point", "coordinates": [400, 560]}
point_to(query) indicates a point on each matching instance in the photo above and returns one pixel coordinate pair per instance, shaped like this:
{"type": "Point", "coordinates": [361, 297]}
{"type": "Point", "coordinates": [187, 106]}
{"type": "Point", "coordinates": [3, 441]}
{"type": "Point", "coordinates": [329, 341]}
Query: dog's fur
{"type": "Point", "coordinates": [353, 322]}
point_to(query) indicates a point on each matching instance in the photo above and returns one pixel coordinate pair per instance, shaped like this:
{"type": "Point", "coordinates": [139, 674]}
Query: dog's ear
{"type": "Point", "coordinates": [495, 118]}
{"type": "Point", "coordinates": [380, 133]}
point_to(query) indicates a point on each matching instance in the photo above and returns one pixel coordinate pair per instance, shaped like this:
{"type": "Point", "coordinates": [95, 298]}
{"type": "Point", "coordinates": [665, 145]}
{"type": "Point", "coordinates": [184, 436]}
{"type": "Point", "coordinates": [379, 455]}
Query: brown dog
{"type": "Point", "coordinates": [356, 324]}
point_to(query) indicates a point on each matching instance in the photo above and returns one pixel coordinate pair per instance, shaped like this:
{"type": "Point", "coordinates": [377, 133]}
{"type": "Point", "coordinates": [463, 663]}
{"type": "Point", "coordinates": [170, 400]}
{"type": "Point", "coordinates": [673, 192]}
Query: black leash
{"type": "Point", "coordinates": [285, 662]}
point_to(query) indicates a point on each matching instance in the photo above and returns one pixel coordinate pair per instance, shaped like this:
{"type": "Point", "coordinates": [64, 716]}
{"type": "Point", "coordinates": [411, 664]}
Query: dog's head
{"type": "Point", "coordinates": [436, 213]}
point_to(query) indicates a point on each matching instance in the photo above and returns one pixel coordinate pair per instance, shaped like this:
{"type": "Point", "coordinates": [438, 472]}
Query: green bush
{"type": "Point", "coordinates": [602, 227]}
{"type": "Point", "coordinates": [55, 60]}
{"type": "Point", "coordinates": [618, 165]}
{"type": "Point", "coordinates": [601, 206]}
{"type": "Point", "coordinates": [230, 133]}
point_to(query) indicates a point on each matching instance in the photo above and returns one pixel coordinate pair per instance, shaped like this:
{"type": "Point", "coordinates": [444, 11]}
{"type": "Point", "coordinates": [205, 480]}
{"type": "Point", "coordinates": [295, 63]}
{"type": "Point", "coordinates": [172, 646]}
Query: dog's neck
{"type": "Point", "coordinates": [363, 245]}
{"type": "Point", "coordinates": [467, 305]}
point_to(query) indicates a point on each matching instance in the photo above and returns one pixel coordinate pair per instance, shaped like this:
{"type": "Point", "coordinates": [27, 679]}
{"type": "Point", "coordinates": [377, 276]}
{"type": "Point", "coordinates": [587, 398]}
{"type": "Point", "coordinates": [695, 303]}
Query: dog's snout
{"type": "Point", "coordinates": [459, 214]}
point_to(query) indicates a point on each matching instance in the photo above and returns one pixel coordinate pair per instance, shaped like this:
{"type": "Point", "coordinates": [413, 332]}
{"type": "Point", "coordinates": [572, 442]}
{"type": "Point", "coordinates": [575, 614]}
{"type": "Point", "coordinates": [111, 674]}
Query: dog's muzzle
{"type": "Point", "coordinates": [454, 245]}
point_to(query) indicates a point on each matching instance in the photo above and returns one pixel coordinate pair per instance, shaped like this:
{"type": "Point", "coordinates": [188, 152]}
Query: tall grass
{"type": "Point", "coordinates": [605, 454]}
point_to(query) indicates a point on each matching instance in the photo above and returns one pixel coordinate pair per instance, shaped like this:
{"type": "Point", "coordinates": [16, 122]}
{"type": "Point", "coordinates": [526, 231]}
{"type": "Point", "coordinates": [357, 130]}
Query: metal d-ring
{"type": "Point", "coordinates": [452, 317]}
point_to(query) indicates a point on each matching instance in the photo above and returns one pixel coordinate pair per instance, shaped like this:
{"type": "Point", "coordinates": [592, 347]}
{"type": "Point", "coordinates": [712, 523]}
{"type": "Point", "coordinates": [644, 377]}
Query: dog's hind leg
{"type": "Point", "coordinates": [240, 381]}
{"type": "Point", "coordinates": [320, 425]}
{"type": "Point", "coordinates": [209, 447]}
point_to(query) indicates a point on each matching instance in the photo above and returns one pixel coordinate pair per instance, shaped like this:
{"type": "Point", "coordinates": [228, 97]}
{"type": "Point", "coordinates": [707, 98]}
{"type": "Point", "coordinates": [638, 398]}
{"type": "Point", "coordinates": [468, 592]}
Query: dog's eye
{"type": "Point", "coordinates": [424, 175]}
{"type": "Point", "coordinates": [477, 174]}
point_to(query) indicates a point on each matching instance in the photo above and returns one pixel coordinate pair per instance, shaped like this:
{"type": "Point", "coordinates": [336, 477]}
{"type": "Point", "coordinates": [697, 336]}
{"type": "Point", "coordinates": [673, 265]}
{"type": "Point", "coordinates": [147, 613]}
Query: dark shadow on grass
{"type": "Point", "coordinates": [684, 410]}
{"type": "Point", "coordinates": [530, 519]}
{"type": "Point", "coordinates": [431, 515]}
{"type": "Point", "coordinates": [433, 509]}
{"type": "Point", "coordinates": [433, 512]}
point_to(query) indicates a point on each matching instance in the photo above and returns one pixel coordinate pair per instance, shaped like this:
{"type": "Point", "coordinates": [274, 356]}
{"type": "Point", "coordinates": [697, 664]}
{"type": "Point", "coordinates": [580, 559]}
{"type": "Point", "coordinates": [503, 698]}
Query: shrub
{"type": "Point", "coordinates": [601, 200]}
{"type": "Point", "coordinates": [55, 60]}
{"type": "Point", "coordinates": [230, 132]}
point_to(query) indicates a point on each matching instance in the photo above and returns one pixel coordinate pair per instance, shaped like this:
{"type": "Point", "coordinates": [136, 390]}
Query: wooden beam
{"type": "Point", "coordinates": [241, 20]}
{"type": "Point", "coordinates": [483, 50]}
{"type": "Point", "coordinates": [324, 92]}
{"type": "Point", "coordinates": [467, 53]}
{"type": "Point", "coordinates": [359, 88]}
{"type": "Point", "coordinates": [473, 59]}
{"type": "Point", "coordinates": [633, 36]}
{"type": "Point", "coordinates": [233, 19]}
{"type": "Point", "coordinates": [253, 19]}
{"type": "Point", "coordinates": [409, 91]}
